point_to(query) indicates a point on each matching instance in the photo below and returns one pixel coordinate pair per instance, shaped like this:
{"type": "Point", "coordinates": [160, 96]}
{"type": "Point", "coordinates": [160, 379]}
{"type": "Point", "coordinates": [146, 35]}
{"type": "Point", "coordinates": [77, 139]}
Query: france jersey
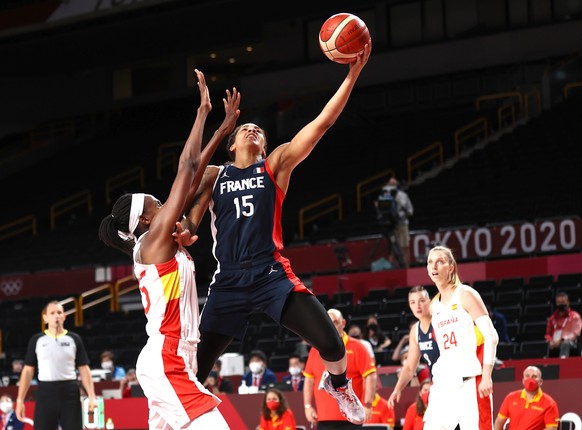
{"type": "Point", "coordinates": [245, 212]}
{"type": "Point", "coordinates": [251, 275]}
{"type": "Point", "coordinates": [429, 350]}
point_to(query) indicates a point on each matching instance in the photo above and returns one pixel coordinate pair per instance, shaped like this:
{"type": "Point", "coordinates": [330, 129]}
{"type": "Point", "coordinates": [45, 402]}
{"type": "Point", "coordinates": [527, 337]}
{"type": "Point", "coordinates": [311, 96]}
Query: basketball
{"type": "Point", "coordinates": [342, 37]}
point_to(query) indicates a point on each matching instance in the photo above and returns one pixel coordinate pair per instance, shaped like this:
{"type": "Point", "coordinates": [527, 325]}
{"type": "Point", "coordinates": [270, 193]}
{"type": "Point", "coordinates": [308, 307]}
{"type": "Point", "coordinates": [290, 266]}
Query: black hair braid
{"type": "Point", "coordinates": [118, 220]}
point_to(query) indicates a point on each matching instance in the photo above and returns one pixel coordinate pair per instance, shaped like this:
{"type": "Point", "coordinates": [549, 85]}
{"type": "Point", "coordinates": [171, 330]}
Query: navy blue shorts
{"type": "Point", "coordinates": [239, 290]}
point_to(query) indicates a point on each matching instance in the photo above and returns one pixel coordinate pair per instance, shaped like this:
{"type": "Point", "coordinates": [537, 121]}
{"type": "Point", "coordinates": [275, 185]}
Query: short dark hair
{"type": "Point", "coordinates": [107, 354]}
{"type": "Point", "coordinates": [258, 353]}
{"type": "Point", "coordinates": [562, 294]}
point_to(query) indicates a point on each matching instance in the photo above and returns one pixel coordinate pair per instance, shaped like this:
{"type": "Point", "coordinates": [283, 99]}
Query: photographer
{"type": "Point", "coordinates": [394, 208]}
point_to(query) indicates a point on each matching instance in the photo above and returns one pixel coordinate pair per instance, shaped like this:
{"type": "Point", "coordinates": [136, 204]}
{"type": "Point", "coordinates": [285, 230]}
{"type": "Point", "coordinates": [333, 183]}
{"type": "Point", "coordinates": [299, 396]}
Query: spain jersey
{"type": "Point", "coordinates": [381, 412]}
{"type": "Point", "coordinates": [457, 338]}
{"type": "Point", "coordinates": [454, 396]}
{"type": "Point", "coordinates": [245, 213]}
{"type": "Point", "coordinates": [169, 297]}
{"type": "Point", "coordinates": [359, 366]}
{"type": "Point", "coordinates": [539, 413]}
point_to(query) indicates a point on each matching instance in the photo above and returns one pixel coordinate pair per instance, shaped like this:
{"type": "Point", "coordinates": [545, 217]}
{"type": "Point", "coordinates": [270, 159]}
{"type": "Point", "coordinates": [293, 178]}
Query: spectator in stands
{"type": "Point", "coordinates": [374, 335]}
{"type": "Point", "coordinates": [17, 365]}
{"type": "Point", "coordinates": [142, 227]}
{"type": "Point", "coordinates": [500, 324]}
{"type": "Point", "coordinates": [356, 332]}
{"type": "Point", "coordinates": [211, 382]}
{"type": "Point", "coordinates": [563, 328]}
{"type": "Point", "coordinates": [8, 419]}
{"type": "Point", "coordinates": [275, 412]}
{"type": "Point", "coordinates": [381, 412]}
{"type": "Point", "coordinates": [259, 374]}
{"type": "Point", "coordinates": [108, 363]}
{"type": "Point", "coordinates": [414, 417]}
{"type": "Point", "coordinates": [394, 210]}
{"type": "Point", "coordinates": [403, 342]}
{"type": "Point", "coordinates": [245, 197]}
{"type": "Point", "coordinates": [419, 373]}
{"type": "Point", "coordinates": [302, 349]}
{"type": "Point", "coordinates": [529, 408]}
{"type": "Point", "coordinates": [129, 381]}
{"type": "Point", "coordinates": [467, 344]}
{"type": "Point", "coordinates": [361, 371]}
{"type": "Point", "coordinates": [223, 384]}
{"type": "Point", "coordinates": [295, 376]}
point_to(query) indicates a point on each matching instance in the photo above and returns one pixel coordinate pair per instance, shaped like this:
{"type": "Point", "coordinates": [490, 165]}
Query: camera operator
{"type": "Point", "coordinates": [394, 208]}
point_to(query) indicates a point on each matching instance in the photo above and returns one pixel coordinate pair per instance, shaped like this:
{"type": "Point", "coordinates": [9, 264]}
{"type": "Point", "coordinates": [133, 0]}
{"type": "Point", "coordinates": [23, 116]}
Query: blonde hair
{"type": "Point", "coordinates": [455, 279]}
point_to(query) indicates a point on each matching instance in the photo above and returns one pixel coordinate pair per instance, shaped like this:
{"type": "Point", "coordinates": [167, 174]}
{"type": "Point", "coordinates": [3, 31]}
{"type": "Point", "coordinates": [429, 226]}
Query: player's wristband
{"type": "Point", "coordinates": [369, 405]}
{"type": "Point", "coordinates": [307, 406]}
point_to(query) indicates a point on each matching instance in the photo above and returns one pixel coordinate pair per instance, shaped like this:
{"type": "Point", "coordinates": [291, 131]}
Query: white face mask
{"type": "Point", "coordinates": [107, 365]}
{"type": "Point", "coordinates": [294, 371]}
{"type": "Point", "coordinates": [6, 406]}
{"type": "Point", "coordinates": [256, 367]}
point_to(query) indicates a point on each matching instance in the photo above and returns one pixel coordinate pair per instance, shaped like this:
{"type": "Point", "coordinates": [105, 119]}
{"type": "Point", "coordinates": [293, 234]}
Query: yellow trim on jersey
{"type": "Point", "coordinates": [369, 372]}
{"type": "Point", "coordinates": [535, 399]}
{"type": "Point", "coordinates": [49, 334]}
{"type": "Point", "coordinates": [171, 283]}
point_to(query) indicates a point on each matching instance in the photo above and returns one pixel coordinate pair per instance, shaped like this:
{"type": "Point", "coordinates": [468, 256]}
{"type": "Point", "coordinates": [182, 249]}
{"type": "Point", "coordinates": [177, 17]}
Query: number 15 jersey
{"type": "Point", "coordinates": [245, 212]}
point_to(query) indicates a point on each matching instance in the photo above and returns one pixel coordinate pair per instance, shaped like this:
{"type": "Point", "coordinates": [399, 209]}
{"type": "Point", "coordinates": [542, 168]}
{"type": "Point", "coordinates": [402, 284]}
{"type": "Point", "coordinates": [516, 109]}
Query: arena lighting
{"type": "Point", "coordinates": [240, 55]}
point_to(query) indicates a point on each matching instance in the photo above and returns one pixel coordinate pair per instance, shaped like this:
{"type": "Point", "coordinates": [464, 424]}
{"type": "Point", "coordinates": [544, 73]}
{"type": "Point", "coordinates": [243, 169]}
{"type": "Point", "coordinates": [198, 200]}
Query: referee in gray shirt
{"type": "Point", "coordinates": [56, 352]}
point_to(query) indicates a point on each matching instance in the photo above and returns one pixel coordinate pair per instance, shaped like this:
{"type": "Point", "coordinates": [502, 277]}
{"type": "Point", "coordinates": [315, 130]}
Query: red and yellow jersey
{"type": "Point", "coordinates": [284, 422]}
{"type": "Point", "coordinates": [381, 413]}
{"type": "Point", "coordinates": [360, 365]}
{"type": "Point", "coordinates": [413, 421]}
{"type": "Point", "coordinates": [540, 413]}
{"type": "Point", "coordinates": [169, 296]}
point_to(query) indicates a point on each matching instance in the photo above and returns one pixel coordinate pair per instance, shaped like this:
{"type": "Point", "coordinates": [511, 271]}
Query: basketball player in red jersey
{"type": "Point", "coordinates": [141, 226]}
{"type": "Point", "coordinates": [245, 199]}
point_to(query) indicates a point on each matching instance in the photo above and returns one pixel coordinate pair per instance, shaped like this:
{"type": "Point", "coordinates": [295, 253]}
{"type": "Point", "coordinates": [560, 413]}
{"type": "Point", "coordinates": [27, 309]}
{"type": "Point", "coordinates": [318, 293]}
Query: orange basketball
{"type": "Point", "coordinates": [342, 37]}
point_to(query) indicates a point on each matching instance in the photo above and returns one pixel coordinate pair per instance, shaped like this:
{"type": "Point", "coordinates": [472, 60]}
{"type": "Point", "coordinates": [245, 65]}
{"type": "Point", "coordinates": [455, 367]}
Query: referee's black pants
{"type": "Point", "coordinates": [58, 403]}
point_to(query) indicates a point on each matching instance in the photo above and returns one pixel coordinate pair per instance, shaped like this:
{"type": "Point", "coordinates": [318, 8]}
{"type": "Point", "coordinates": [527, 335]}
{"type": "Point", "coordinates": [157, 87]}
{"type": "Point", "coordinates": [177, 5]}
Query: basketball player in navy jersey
{"type": "Point", "coordinates": [245, 198]}
{"type": "Point", "coordinates": [421, 345]}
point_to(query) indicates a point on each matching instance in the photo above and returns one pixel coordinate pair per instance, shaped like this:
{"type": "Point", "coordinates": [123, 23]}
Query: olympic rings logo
{"type": "Point", "coordinates": [11, 287]}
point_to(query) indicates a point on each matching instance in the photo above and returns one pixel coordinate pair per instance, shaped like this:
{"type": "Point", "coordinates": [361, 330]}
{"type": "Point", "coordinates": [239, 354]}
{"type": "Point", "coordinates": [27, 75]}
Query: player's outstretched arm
{"type": "Point", "coordinates": [286, 157]}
